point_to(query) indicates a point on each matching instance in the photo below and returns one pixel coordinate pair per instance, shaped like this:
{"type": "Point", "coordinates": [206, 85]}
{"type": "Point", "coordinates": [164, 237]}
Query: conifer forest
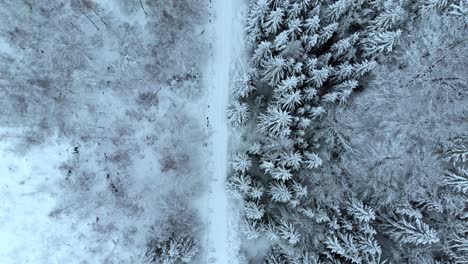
{"type": "Point", "coordinates": [234, 131]}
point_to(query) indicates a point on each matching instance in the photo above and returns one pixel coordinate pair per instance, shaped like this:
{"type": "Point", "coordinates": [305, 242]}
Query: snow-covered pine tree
{"type": "Point", "coordinates": [280, 192]}
{"type": "Point", "coordinates": [240, 183]}
{"type": "Point", "coordinates": [274, 20]}
{"type": "Point", "coordinates": [256, 190]}
{"type": "Point", "coordinates": [238, 113]}
{"type": "Point", "coordinates": [345, 247]}
{"type": "Point", "coordinates": [381, 42]}
{"type": "Point", "coordinates": [254, 210]}
{"type": "Point", "coordinates": [251, 229]}
{"type": "Point", "coordinates": [255, 20]}
{"type": "Point", "coordinates": [360, 212]}
{"type": "Point", "coordinates": [288, 233]}
{"type": "Point", "coordinates": [241, 162]}
{"type": "Point", "coordinates": [410, 231]}
{"type": "Point", "coordinates": [306, 55]}
{"type": "Point", "coordinates": [281, 174]}
{"type": "Point", "coordinates": [458, 181]}
{"type": "Point", "coordinates": [300, 190]}
{"type": "Point", "coordinates": [458, 154]}
{"type": "Point", "coordinates": [274, 70]}
{"type": "Point", "coordinates": [276, 121]}
{"type": "Point", "coordinates": [243, 84]}
{"type": "Point", "coordinates": [176, 249]}
{"type": "Point", "coordinates": [459, 247]}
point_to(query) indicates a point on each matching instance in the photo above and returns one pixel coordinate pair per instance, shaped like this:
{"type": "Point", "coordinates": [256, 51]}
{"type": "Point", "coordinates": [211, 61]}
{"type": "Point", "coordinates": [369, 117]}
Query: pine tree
{"type": "Point", "coordinates": [243, 85]}
{"type": "Point", "coordinates": [344, 46]}
{"type": "Point", "coordinates": [176, 249]}
{"type": "Point", "coordinates": [326, 33]}
{"type": "Point", "coordinates": [274, 21]}
{"type": "Point", "coordinates": [275, 69]}
{"type": "Point", "coordinates": [254, 210]}
{"type": "Point", "coordinates": [276, 256]}
{"type": "Point", "coordinates": [187, 249]}
{"type": "Point", "coordinates": [381, 42]}
{"type": "Point", "coordinates": [305, 258]}
{"type": "Point", "coordinates": [460, 11]}
{"type": "Point", "coordinates": [345, 247]}
{"type": "Point", "coordinates": [406, 231]}
{"type": "Point", "coordinates": [291, 159]}
{"type": "Point", "coordinates": [294, 29]}
{"type": "Point", "coordinates": [282, 41]}
{"type": "Point", "coordinates": [256, 190]}
{"type": "Point", "coordinates": [458, 181]}
{"type": "Point", "coordinates": [251, 229]}
{"type": "Point", "coordinates": [409, 212]}
{"type": "Point", "coordinates": [300, 191]}
{"type": "Point", "coordinates": [459, 247]}
{"type": "Point", "coordinates": [311, 25]}
{"type": "Point", "coordinates": [241, 162]}
{"type": "Point", "coordinates": [317, 112]}
{"type": "Point", "coordinates": [280, 192]}
{"type": "Point", "coordinates": [319, 76]}
{"type": "Point", "coordinates": [338, 8]}
{"type": "Point", "coordinates": [360, 212]}
{"type": "Point", "coordinates": [240, 182]}
{"type": "Point", "coordinates": [287, 85]}
{"type": "Point", "coordinates": [290, 100]}
{"type": "Point", "coordinates": [271, 231]}
{"type": "Point", "coordinates": [343, 71]}
{"type": "Point", "coordinates": [255, 149]}
{"type": "Point", "coordinates": [255, 20]}
{"type": "Point", "coordinates": [288, 233]}
{"type": "Point", "coordinates": [436, 4]}
{"type": "Point", "coordinates": [363, 67]}
{"type": "Point", "coordinates": [275, 121]}
{"type": "Point", "coordinates": [262, 54]}
{"type": "Point", "coordinates": [387, 20]}
{"type": "Point", "coordinates": [238, 113]}
{"type": "Point", "coordinates": [281, 174]}
{"type": "Point", "coordinates": [458, 155]}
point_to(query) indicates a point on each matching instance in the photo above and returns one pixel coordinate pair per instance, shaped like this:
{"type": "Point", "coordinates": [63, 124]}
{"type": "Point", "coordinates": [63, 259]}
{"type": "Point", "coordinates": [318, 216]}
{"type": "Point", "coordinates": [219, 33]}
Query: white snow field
{"type": "Point", "coordinates": [225, 29]}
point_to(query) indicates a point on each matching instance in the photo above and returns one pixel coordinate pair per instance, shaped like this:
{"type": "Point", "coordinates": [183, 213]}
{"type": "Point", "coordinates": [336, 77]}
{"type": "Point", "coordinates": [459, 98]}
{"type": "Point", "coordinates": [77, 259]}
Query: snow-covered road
{"type": "Point", "coordinates": [218, 77]}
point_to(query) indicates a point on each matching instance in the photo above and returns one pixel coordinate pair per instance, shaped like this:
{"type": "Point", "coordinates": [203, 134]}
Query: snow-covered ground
{"type": "Point", "coordinates": [226, 31]}
{"type": "Point", "coordinates": [95, 193]}
{"type": "Point", "coordinates": [218, 82]}
{"type": "Point", "coordinates": [102, 151]}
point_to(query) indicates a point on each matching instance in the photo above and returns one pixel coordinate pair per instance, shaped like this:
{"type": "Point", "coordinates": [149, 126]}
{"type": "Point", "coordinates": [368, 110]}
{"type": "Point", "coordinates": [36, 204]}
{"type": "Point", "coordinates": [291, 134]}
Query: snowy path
{"type": "Point", "coordinates": [218, 82]}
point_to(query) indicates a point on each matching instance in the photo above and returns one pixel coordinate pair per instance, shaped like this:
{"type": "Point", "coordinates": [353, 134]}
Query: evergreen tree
{"type": "Point", "coordinates": [275, 69]}
{"type": "Point", "coordinates": [256, 190]}
{"type": "Point", "coordinates": [458, 181]}
{"type": "Point", "coordinates": [360, 212]}
{"type": "Point", "coordinates": [275, 121]}
{"type": "Point", "coordinates": [241, 162]}
{"type": "Point", "coordinates": [255, 20]}
{"type": "Point", "coordinates": [388, 20]}
{"type": "Point", "coordinates": [238, 114]}
{"type": "Point", "coordinates": [414, 231]}
{"type": "Point", "coordinates": [281, 173]}
{"type": "Point", "coordinates": [288, 232]}
{"type": "Point", "coordinates": [254, 210]}
{"type": "Point", "coordinates": [381, 42]}
{"type": "Point", "coordinates": [243, 84]}
{"type": "Point", "coordinates": [251, 229]}
{"type": "Point", "coordinates": [280, 192]}
{"type": "Point", "coordinates": [240, 182]}
{"type": "Point", "coordinates": [274, 21]}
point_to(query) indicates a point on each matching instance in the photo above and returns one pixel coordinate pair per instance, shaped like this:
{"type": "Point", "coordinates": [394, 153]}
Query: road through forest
{"type": "Point", "coordinates": [218, 77]}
